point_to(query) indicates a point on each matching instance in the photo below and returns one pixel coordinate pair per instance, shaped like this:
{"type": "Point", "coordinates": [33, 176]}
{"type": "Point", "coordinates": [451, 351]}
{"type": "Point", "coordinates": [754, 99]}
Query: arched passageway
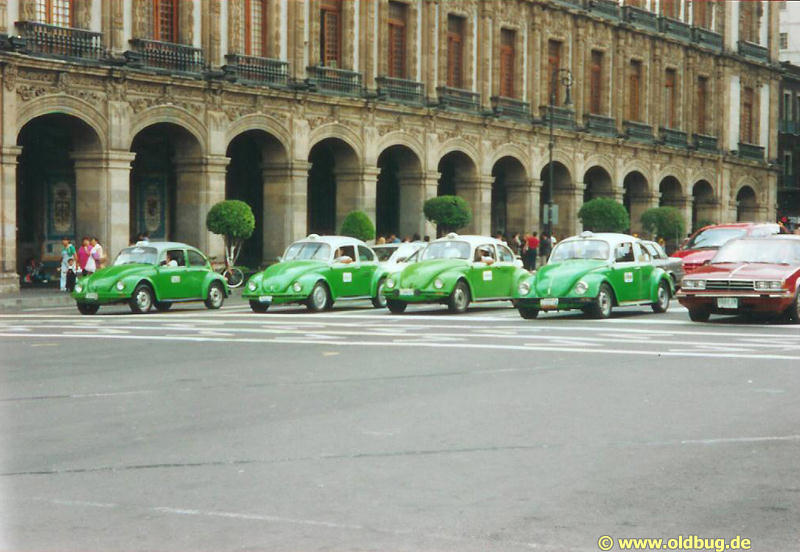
{"type": "Point", "coordinates": [399, 193]}
{"type": "Point", "coordinates": [566, 218]}
{"type": "Point", "coordinates": [458, 175]}
{"type": "Point", "coordinates": [166, 181]}
{"type": "Point", "coordinates": [636, 198]}
{"type": "Point", "coordinates": [333, 181]}
{"type": "Point", "coordinates": [746, 205]}
{"type": "Point", "coordinates": [703, 205]}
{"type": "Point", "coordinates": [511, 201]}
{"type": "Point", "coordinates": [671, 192]}
{"type": "Point", "coordinates": [597, 183]}
{"type": "Point", "coordinates": [57, 191]}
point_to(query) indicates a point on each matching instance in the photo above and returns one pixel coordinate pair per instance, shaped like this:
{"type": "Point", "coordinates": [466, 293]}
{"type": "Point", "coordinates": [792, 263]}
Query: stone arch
{"type": "Point", "coordinates": [512, 151]}
{"type": "Point", "coordinates": [173, 115]}
{"type": "Point", "coordinates": [459, 175]}
{"type": "Point", "coordinates": [339, 132]}
{"type": "Point", "coordinates": [640, 167]}
{"type": "Point", "coordinates": [458, 145]}
{"type": "Point", "coordinates": [67, 105]}
{"type": "Point", "coordinates": [259, 121]}
{"type": "Point", "coordinates": [597, 182]}
{"type": "Point", "coordinates": [511, 196]}
{"type": "Point", "coordinates": [564, 195]}
{"type": "Point", "coordinates": [637, 197]}
{"type": "Point", "coordinates": [671, 190]}
{"type": "Point", "coordinates": [673, 171]}
{"type": "Point", "coordinates": [747, 204]}
{"type": "Point", "coordinates": [560, 156]}
{"type": "Point", "coordinates": [704, 204]}
{"type": "Point", "coordinates": [602, 161]}
{"type": "Point", "coordinates": [399, 138]}
{"type": "Point", "coordinates": [400, 192]}
{"type": "Point", "coordinates": [337, 184]}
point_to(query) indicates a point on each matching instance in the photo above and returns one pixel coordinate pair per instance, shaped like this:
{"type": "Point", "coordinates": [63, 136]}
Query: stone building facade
{"type": "Point", "coordinates": [118, 117]}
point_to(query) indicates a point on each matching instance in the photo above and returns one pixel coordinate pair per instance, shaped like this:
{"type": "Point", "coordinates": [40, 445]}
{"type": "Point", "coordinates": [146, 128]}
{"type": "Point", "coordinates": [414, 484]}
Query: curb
{"type": "Point", "coordinates": [20, 302]}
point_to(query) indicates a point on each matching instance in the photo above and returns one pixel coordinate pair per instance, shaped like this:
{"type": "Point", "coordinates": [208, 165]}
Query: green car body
{"type": "Point", "coordinates": [142, 277]}
{"type": "Point", "coordinates": [312, 273]}
{"type": "Point", "coordinates": [595, 272]}
{"type": "Point", "coordinates": [449, 272]}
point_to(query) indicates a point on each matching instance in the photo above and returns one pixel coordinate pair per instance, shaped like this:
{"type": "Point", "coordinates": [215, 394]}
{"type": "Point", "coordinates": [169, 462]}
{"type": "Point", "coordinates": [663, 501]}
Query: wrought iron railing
{"type": "Point", "coordinates": [753, 51]}
{"type": "Point", "coordinates": [169, 56]}
{"type": "Point", "coordinates": [458, 99]}
{"type": "Point", "coordinates": [329, 80]}
{"type": "Point", "coordinates": [674, 28]}
{"type": "Point", "coordinates": [789, 127]}
{"type": "Point", "coordinates": [751, 151]}
{"type": "Point", "coordinates": [401, 90]}
{"type": "Point", "coordinates": [640, 17]}
{"type": "Point", "coordinates": [66, 42]}
{"type": "Point", "coordinates": [707, 38]}
{"type": "Point", "coordinates": [563, 117]}
{"type": "Point", "coordinates": [705, 143]}
{"type": "Point", "coordinates": [511, 107]}
{"type": "Point", "coordinates": [258, 70]}
{"type": "Point", "coordinates": [600, 125]}
{"type": "Point", "coordinates": [570, 3]}
{"type": "Point", "coordinates": [638, 132]}
{"type": "Point", "coordinates": [605, 8]}
{"type": "Point", "coordinates": [673, 138]}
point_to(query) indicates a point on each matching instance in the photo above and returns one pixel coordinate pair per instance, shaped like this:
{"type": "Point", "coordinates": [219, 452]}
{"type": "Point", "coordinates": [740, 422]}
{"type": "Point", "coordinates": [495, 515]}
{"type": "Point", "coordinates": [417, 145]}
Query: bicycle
{"type": "Point", "coordinates": [233, 275]}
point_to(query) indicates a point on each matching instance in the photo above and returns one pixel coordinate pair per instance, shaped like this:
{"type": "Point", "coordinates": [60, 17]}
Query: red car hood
{"type": "Point", "coordinates": [694, 258]}
{"type": "Point", "coordinates": [746, 271]}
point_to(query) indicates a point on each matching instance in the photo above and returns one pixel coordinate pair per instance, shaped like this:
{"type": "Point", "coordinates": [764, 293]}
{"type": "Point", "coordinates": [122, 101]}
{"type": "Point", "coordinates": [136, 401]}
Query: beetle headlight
{"type": "Point", "coordinates": [252, 286]}
{"type": "Point", "coordinates": [389, 283]}
{"type": "Point", "coordinates": [438, 284]}
{"type": "Point", "coordinates": [297, 287]}
{"type": "Point", "coordinates": [79, 288]}
{"type": "Point", "coordinates": [768, 284]}
{"type": "Point", "coordinates": [120, 285]}
{"type": "Point", "coordinates": [581, 287]}
{"type": "Point", "coordinates": [524, 288]}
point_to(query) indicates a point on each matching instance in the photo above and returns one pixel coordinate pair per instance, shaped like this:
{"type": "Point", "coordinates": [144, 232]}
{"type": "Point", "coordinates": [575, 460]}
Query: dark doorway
{"type": "Point", "coordinates": [244, 180]}
{"type": "Point", "coordinates": [387, 201]}
{"type": "Point", "coordinates": [499, 209]}
{"type": "Point", "coordinates": [322, 190]}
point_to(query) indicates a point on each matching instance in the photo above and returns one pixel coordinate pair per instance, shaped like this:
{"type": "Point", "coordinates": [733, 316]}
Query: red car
{"type": "Point", "coordinates": [747, 276]}
{"type": "Point", "coordinates": [704, 244]}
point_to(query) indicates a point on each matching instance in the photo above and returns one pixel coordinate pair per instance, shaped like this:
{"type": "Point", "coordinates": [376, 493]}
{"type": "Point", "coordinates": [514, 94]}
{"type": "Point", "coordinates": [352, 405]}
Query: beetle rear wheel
{"type": "Point", "coordinates": [662, 299]}
{"type": "Point", "coordinates": [379, 301]}
{"type": "Point", "coordinates": [320, 298]}
{"type": "Point", "coordinates": [603, 303]}
{"type": "Point", "coordinates": [396, 307]}
{"type": "Point", "coordinates": [88, 308]}
{"type": "Point", "coordinates": [142, 299]}
{"type": "Point", "coordinates": [459, 298]}
{"type": "Point", "coordinates": [216, 296]}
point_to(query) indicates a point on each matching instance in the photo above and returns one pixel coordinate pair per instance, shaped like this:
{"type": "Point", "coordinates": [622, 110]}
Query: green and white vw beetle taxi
{"type": "Point", "coordinates": [456, 270]}
{"type": "Point", "coordinates": [152, 274]}
{"type": "Point", "coordinates": [317, 271]}
{"type": "Point", "coordinates": [595, 272]}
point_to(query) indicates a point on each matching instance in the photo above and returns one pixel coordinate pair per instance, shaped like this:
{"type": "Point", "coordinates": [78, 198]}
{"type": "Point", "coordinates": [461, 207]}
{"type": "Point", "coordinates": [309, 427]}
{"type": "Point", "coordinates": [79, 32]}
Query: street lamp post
{"type": "Point", "coordinates": [560, 76]}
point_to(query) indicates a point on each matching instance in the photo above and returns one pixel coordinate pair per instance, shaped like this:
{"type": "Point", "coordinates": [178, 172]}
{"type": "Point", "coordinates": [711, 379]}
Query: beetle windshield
{"type": "Point", "coordinates": [446, 250]}
{"type": "Point", "coordinates": [714, 238]}
{"type": "Point", "coordinates": [580, 249]}
{"type": "Point", "coordinates": [779, 251]}
{"type": "Point", "coordinates": [308, 251]}
{"type": "Point", "coordinates": [384, 252]}
{"type": "Point", "coordinates": [137, 255]}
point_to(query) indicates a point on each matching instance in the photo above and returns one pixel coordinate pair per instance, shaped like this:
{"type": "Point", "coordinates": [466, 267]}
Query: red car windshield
{"type": "Point", "coordinates": [760, 251]}
{"type": "Point", "coordinates": [714, 238]}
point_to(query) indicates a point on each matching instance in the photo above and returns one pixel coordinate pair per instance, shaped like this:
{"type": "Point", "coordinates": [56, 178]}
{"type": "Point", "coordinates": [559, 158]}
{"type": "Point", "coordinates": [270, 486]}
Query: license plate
{"type": "Point", "coordinates": [406, 292]}
{"type": "Point", "coordinates": [91, 295]}
{"type": "Point", "coordinates": [549, 303]}
{"type": "Point", "coordinates": [265, 299]}
{"type": "Point", "coordinates": [727, 303]}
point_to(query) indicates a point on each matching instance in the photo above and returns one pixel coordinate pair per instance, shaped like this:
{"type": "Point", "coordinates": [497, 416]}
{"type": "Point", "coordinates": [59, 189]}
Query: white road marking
{"type": "Point", "coordinates": [726, 440]}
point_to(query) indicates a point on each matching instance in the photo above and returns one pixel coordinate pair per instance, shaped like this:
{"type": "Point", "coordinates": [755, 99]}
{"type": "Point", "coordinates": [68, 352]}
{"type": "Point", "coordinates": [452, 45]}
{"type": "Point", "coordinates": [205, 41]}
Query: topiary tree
{"type": "Point", "coordinates": [604, 215]}
{"type": "Point", "coordinates": [234, 221]}
{"type": "Point", "coordinates": [448, 212]}
{"type": "Point", "coordinates": [664, 222]}
{"type": "Point", "coordinates": [357, 225]}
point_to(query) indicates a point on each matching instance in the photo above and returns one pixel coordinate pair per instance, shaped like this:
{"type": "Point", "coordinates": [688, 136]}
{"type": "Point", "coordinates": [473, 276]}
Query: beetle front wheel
{"type": "Point", "coordinates": [216, 296]}
{"type": "Point", "coordinates": [320, 298]}
{"type": "Point", "coordinates": [142, 299]}
{"type": "Point", "coordinates": [603, 303]}
{"type": "Point", "coordinates": [459, 299]}
{"type": "Point", "coordinates": [662, 298]}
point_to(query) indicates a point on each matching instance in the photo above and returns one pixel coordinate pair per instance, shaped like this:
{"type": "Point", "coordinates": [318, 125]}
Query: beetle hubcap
{"type": "Point", "coordinates": [319, 297]}
{"type": "Point", "coordinates": [460, 298]}
{"type": "Point", "coordinates": [381, 296]}
{"type": "Point", "coordinates": [216, 295]}
{"type": "Point", "coordinates": [663, 298]}
{"type": "Point", "coordinates": [605, 303]}
{"type": "Point", "coordinates": [143, 300]}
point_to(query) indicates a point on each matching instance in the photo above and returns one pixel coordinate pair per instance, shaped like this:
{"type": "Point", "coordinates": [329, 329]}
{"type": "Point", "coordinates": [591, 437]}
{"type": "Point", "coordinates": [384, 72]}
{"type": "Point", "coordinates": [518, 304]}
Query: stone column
{"type": "Point", "coordinates": [356, 191]}
{"type": "Point", "coordinates": [415, 189]}
{"type": "Point", "coordinates": [285, 206]}
{"type": "Point", "coordinates": [200, 184]}
{"type": "Point", "coordinates": [9, 277]}
{"type": "Point", "coordinates": [102, 183]}
{"type": "Point", "coordinates": [522, 200]}
{"type": "Point", "coordinates": [569, 201]}
{"type": "Point", "coordinates": [478, 194]}
{"type": "Point", "coordinates": [639, 204]}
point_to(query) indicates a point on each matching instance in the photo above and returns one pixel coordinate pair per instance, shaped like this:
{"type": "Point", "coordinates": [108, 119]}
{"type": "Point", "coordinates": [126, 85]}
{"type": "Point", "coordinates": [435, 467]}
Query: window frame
{"type": "Point", "coordinates": [248, 28]}
{"type": "Point", "coordinates": [48, 7]}
{"type": "Point", "coordinates": [702, 105]}
{"type": "Point", "coordinates": [328, 8]}
{"type": "Point", "coordinates": [455, 44]}
{"type": "Point", "coordinates": [397, 27]}
{"type": "Point", "coordinates": [555, 54]}
{"type": "Point", "coordinates": [596, 60]}
{"type": "Point", "coordinates": [508, 59]}
{"type": "Point", "coordinates": [747, 123]}
{"type": "Point", "coordinates": [671, 98]}
{"type": "Point", "coordinates": [635, 92]}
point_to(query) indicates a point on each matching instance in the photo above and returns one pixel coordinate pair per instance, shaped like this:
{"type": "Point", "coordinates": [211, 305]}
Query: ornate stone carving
{"type": "Point", "coordinates": [10, 76]}
{"type": "Point", "coordinates": [141, 19]}
{"type": "Point", "coordinates": [117, 88]}
{"type": "Point", "coordinates": [186, 22]}
{"type": "Point", "coordinates": [235, 30]}
{"type": "Point", "coordinates": [27, 10]}
{"type": "Point", "coordinates": [28, 92]}
{"type": "Point", "coordinates": [83, 13]}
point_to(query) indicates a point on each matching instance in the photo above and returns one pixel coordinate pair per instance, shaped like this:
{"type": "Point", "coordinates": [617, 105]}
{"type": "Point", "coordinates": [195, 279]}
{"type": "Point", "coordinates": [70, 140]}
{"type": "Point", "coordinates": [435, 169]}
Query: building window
{"type": "Point", "coordinates": [507, 56]}
{"type": "Point", "coordinates": [702, 104]}
{"type": "Point", "coordinates": [54, 12]}
{"type": "Point", "coordinates": [670, 99]}
{"type": "Point", "coordinates": [635, 91]}
{"type": "Point", "coordinates": [330, 29]}
{"type": "Point", "coordinates": [787, 107]}
{"type": "Point", "coordinates": [398, 17]}
{"type": "Point", "coordinates": [596, 83]}
{"type": "Point", "coordinates": [747, 124]}
{"type": "Point", "coordinates": [784, 37]}
{"type": "Point", "coordinates": [788, 169]}
{"type": "Point", "coordinates": [670, 8]}
{"type": "Point", "coordinates": [455, 51]}
{"type": "Point", "coordinates": [255, 28]}
{"type": "Point", "coordinates": [703, 13]}
{"type": "Point", "coordinates": [750, 14]}
{"type": "Point", "coordinates": [161, 17]}
{"type": "Point", "coordinates": [553, 66]}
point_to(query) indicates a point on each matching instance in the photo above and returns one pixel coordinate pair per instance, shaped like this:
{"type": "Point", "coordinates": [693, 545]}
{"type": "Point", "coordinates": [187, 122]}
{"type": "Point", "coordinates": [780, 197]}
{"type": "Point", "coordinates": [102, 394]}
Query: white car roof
{"type": "Point", "coordinates": [333, 241]}
{"type": "Point", "coordinates": [473, 240]}
{"type": "Point", "coordinates": [609, 237]}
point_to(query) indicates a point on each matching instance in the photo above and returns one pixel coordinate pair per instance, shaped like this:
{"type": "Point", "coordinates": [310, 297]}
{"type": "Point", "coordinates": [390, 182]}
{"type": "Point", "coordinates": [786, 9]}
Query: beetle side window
{"type": "Point", "coordinates": [485, 254]}
{"type": "Point", "coordinates": [624, 253]}
{"type": "Point", "coordinates": [175, 257]}
{"type": "Point", "coordinates": [642, 254]}
{"type": "Point", "coordinates": [365, 254]}
{"type": "Point", "coordinates": [196, 259]}
{"type": "Point", "coordinates": [345, 254]}
{"type": "Point", "coordinates": [505, 254]}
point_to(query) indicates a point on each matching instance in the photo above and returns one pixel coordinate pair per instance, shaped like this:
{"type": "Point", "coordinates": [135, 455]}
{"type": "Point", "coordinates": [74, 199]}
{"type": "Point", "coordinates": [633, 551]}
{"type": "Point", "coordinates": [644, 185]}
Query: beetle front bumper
{"type": "Point", "coordinates": [274, 298]}
{"type": "Point", "coordinates": [100, 297]}
{"type": "Point", "coordinates": [416, 295]}
{"type": "Point", "coordinates": [561, 303]}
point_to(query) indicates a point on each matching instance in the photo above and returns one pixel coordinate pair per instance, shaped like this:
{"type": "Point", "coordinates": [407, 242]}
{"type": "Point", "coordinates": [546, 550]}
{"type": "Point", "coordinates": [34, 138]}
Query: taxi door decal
{"type": "Point", "coordinates": [629, 277]}
{"type": "Point", "coordinates": [175, 279]}
{"type": "Point", "coordinates": [347, 277]}
{"type": "Point", "coordinates": [487, 275]}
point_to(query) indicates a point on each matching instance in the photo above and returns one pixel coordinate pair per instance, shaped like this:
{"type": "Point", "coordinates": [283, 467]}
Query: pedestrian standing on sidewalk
{"type": "Point", "coordinates": [532, 250]}
{"type": "Point", "coordinates": [545, 247]}
{"type": "Point", "coordinates": [84, 252]}
{"type": "Point", "coordinates": [67, 252]}
{"type": "Point", "coordinates": [98, 254]}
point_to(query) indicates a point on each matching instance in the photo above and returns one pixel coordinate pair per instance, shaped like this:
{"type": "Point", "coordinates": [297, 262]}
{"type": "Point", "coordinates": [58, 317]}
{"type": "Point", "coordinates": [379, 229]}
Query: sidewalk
{"type": "Point", "coordinates": [33, 298]}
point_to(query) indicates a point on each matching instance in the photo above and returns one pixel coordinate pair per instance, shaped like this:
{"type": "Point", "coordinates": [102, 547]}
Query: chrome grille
{"type": "Point", "coordinates": [730, 284]}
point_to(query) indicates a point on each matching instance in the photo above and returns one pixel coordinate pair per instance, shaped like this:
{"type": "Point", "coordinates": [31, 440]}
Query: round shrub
{"type": "Point", "coordinates": [664, 222]}
{"type": "Point", "coordinates": [604, 215]}
{"type": "Point", "coordinates": [357, 225]}
{"type": "Point", "coordinates": [234, 221]}
{"type": "Point", "coordinates": [448, 212]}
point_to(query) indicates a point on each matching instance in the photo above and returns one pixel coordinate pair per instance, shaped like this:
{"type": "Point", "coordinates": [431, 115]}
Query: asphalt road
{"type": "Point", "coordinates": [358, 430]}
